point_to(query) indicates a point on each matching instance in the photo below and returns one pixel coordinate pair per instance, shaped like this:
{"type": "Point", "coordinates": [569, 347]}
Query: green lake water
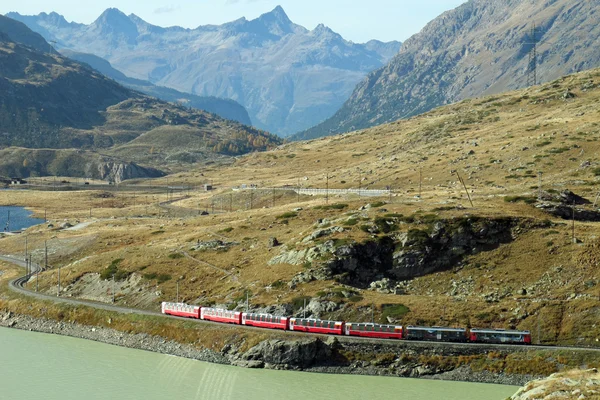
{"type": "Point", "coordinates": [50, 367]}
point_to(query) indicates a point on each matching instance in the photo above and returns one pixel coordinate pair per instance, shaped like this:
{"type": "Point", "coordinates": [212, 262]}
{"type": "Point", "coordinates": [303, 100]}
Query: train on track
{"type": "Point", "coordinates": [362, 329]}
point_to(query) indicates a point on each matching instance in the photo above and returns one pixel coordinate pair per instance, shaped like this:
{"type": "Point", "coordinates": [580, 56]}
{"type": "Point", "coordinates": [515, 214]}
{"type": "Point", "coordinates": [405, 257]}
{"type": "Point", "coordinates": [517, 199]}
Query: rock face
{"type": "Point", "coordinates": [23, 163]}
{"type": "Point", "coordinates": [567, 205]}
{"type": "Point", "coordinates": [564, 385]}
{"type": "Point", "coordinates": [287, 77]}
{"type": "Point", "coordinates": [477, 49]}
{"type": "Point", "coordinates": [402, 256]}
{"type": "Point", "coordinates": [294, 355]}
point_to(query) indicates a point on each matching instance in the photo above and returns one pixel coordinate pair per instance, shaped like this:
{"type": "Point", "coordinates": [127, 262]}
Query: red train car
{"type": "Point", "coordinates": [499, 336]}
{"type": "Point", "coordinates": [265, 321]}
{"type": "Point", "coordinates": [180, 309]}
{"type": "Point", "coordinates": [218, 315]}
{"type": "Point", "coordinates": [317, 326]}
{"type": "Point", "coordinates": [373, 330]}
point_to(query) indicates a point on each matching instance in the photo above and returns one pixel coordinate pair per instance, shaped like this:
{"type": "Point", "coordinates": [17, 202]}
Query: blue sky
{"type": "Point", "coordinates": [356, 20]}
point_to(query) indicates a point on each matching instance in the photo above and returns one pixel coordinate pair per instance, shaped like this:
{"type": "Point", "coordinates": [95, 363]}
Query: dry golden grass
{"type": "Point", "coordinates": [507, 135]}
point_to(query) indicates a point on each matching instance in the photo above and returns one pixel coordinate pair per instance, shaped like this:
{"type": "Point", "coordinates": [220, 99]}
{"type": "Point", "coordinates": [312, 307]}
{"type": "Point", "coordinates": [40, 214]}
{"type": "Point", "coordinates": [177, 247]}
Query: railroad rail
{"type": "Point", "coordinates": [18, 285]}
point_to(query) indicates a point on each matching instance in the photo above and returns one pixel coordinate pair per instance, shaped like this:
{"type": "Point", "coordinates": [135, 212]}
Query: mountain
{"type": "Point", "coordinates": [479, 48]}
{"type": "Point", "coordinates": [287, 77]}
{"type": "Point", "coordinates": [48, 101]}
{"type": "Point", "coordinates": [224, 108]}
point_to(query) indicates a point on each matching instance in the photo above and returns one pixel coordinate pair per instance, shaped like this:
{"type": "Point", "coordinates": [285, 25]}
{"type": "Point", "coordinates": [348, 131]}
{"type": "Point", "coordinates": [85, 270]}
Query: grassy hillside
{"type": "Point", "coordinates": [49, 101]}
{"type": "Point", "coordinates": [500, 263]}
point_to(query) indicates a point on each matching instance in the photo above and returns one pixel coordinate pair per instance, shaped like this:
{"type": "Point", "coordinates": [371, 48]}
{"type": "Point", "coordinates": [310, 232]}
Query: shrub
{"type": "Point", "coordinates": [378, 204]}
{"type": "Point", "coordinates": [113, 271]}
{"type": "Point", "coordinates": [351, 222]}
{"type": "Point", "coordinates": [227, 230]}
{"type": "Point", "coordinates": [395, 311]}
{"type": "Point", "coordinates": [516, 199]}
{"type": "Point", "coordinates": [175, 256]}
{"type": "Point", "coordinates": [287, 215]}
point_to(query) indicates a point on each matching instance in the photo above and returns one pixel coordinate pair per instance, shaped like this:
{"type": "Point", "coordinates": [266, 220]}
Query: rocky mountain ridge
{"type": "Point", "coordinates": [480, 48]}
{"type": "Point", "coordinates": [225, 108]}
{"type": "Point", "coordinates": [46, 102]}
{"type": "Point", "coordinates": [289, 78]}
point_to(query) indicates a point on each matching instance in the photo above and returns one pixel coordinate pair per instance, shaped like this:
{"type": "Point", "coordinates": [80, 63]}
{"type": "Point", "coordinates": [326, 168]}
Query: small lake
{"type": "Point", "coordinates": [20, 218]}
{"type": "Point", "coordinates": [49, 367]}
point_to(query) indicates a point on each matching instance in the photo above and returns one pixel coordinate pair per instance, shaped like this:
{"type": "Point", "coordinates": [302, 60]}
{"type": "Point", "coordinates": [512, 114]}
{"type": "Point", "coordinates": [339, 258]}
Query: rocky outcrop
{"type": "Point", "coordinates": [23, 163]}
{"type": "Point", "coordinates": [289, 354]}
{"type": "Point", "coordinates": [567, 205]}
{"type": "Point", "coordinates": [564, 385]}
{"type": "Point", "coordinates": [121, 171]}
{"type": "Point", "coordinates": [380, 263]}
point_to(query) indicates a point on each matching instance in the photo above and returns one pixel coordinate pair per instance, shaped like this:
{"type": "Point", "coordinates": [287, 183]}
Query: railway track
{"type": "Point", "coordinates": [18, 285]}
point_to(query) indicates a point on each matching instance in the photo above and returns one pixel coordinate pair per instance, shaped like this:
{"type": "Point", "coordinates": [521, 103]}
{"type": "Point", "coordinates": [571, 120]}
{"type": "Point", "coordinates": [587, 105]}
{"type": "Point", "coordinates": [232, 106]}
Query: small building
{"type": "Point", "coordinates": [208, 188]}
{"type": "Point", "coordinates": [17, 181]}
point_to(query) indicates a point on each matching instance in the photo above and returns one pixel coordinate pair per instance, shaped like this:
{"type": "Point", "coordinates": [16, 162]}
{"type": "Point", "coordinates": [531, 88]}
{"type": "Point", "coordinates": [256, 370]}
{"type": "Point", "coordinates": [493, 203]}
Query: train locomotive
{"type": "Point", "coordinates": [361, 329]}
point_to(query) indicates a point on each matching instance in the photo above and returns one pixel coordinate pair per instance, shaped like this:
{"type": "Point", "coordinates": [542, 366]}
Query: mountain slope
{"type": "Point", "coordinates": [287, 77]}
{"type": "Point", "coordinates": [479, 48]}
{"type": "Point", "coordinates": [49, 101]}
{"type": "Point", "coordinates": [224, 108]}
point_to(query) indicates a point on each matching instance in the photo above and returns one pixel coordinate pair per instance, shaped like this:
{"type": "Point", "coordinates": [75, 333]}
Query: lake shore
{"type": "Point", "coordinates": [295, 355]}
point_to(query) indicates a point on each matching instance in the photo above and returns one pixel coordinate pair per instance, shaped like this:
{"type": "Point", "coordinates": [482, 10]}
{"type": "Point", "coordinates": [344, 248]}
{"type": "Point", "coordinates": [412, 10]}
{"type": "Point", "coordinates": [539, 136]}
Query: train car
{"type": "Point", "coordinates": [265, 321]}
{"type": "Point", "coordinates": [373, 330]}
{"type": "Point", "coordinates": [317, 326]}
{"type": "Point", "coordinates": [499, 336]}
{"type": "Point", "coordinates": [219, 315]}
{"type": "Point", "coordinates": [435, 333]}
{"type": "Point", "coordinates": [180, 309]}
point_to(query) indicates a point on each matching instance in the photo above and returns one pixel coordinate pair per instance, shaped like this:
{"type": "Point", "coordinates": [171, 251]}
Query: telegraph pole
{"type": "Point", "coordinates": [45, 254]}
{"type": "Point", "coordinates": [532, 66]}
{"type": "Point", "coordinates": [58, 293]}
{"type": "Point", "coordinates": [327, 188]}
{"type": "Point", "coordinates": [573, 224]}
{"type": "Point", "coordinates": [177, 295]}
{"type": "Point", "coordinates": [539, 185]}
{"type": "Point", "coordinates": [420, 180]}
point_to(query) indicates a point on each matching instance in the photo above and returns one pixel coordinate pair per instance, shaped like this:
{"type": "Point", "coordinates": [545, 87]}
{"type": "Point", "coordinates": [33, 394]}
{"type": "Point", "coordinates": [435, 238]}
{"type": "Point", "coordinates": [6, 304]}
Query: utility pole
{"type": "Point", "coordinates": [37, 280]}
{"type": "Point", "coordinates": [539, 185]}
{"type": "Point", "coordinates": [304, 310]}
{"type": "Point", "coordinates": [465, 186]}
{"type": "Point", "coordinates": [247, 301]}
{"type": "Point", "coordinates": [298, 191]}
{"type": "Point", "coordinates": [45, 254]}
{"type": "Point", "coordinates": [327, 188]}
{"type": "Point", "coordinates": [359, 183]}
{"type": "Point", "coordinates": [532, 65]}
{"type": "Point", "coordinates": [58, 293]}
{"type": "Point", "coordinates": [420, 180]}
{"type": "Point", "coordinates": [573, 224]}
{"type": "Point", "coordinates": [113, 288]}
{"type": "Point", "coordinates": [177, 295]}
{"type": "Point", "coordinates": [8, 222]}
{"type": "Point", "coordinates": [231, 202]}
{"type": "Point", "coordinates": [373, 313]}
{"type": "Point", "coordinates": [25, 247]}
{"type": "Point", "coordinates": [45, 218]}
{"type": "Point", "coordinates": [251, 197]}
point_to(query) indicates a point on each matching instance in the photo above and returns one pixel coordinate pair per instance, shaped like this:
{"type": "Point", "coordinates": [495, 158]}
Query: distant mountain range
{"type": "Point", "coordinates": [288, 78]}
{"type": "Point", "coordinates": [479, 48]}
{"type": "Point", "coordinates": [224, 108]}
{"type": "Point", "coordinates": [48, 101]}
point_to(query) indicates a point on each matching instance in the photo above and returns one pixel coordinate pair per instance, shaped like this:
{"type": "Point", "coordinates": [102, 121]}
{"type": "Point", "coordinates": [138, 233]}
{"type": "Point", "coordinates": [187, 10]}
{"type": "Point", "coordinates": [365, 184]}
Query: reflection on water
{"type": "Point", "coordinates": [49, 367]}
{"type": "Point", "coordinates": [16, 218]}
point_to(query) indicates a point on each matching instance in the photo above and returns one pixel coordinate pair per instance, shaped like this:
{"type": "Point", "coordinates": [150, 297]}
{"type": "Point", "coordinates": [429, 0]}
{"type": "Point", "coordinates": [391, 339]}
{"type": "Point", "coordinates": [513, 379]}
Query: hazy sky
{"type": "Point", "coordinates": [356, 20]}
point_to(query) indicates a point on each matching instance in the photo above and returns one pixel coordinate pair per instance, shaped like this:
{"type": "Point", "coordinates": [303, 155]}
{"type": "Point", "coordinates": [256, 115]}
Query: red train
{"type": "Point", "coordinates": [311, 325]}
